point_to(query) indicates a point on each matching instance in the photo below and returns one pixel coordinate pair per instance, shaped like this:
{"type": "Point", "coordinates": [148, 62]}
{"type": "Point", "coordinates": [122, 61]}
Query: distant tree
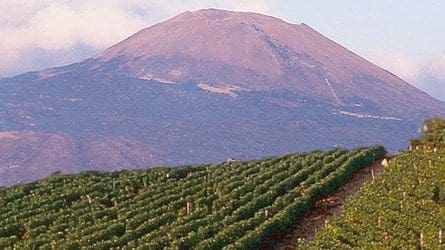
{"type": "Point", "coordinates": [433, 124]}
{"type": "Point", "coordinates": [433, 132]}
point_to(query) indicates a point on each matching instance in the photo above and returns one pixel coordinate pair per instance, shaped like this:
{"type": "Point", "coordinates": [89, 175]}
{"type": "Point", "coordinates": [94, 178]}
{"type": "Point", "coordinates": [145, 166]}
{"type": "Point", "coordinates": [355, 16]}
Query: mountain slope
{"type": "Point", "coordinates": [257, 52]}
{"type": "Point", "coordinates": [203, 87]}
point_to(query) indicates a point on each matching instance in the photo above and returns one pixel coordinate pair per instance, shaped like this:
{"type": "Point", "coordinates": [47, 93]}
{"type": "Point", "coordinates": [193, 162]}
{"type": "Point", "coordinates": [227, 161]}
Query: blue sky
{"type": "Point", "coordinates": [405, 37]}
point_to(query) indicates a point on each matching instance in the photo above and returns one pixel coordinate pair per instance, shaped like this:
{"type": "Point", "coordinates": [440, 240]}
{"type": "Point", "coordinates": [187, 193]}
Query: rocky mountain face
{"type": "Point", "coordinates": [203, 86]}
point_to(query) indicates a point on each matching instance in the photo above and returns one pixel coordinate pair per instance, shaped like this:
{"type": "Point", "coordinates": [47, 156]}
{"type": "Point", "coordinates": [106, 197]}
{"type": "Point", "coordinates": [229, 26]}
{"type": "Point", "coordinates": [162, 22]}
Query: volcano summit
{"type": "Point", "coordinates": [203, 86]}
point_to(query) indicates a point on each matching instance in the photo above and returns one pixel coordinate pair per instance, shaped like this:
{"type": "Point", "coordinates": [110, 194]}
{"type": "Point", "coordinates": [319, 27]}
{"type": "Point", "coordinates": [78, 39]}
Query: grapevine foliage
{"type": "Point", "coordinates": [404, 208]}
{"type": "Point", "coordinates": [232, 205]}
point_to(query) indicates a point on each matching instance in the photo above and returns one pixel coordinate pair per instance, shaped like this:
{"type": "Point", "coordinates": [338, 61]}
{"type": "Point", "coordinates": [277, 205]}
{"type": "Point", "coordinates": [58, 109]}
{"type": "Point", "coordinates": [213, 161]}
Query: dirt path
{"type": "Point", "coordinates": [324, 209]}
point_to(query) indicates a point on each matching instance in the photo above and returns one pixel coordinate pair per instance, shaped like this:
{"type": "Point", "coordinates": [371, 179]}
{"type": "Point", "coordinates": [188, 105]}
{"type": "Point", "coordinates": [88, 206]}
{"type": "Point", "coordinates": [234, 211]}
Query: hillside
{"type": "Point", "coordinates": [203, 86]}
{"type": "Point", "coordinates": [403, 208]}
{"type": "Point", "coordinates": [242, 51]}
{"type": "Point", "coordinates": [232, 205]}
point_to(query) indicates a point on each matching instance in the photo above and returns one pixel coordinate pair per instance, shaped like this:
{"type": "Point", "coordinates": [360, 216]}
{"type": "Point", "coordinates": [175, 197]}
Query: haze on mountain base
{"type": "Point", "coordinates": [203, 86]}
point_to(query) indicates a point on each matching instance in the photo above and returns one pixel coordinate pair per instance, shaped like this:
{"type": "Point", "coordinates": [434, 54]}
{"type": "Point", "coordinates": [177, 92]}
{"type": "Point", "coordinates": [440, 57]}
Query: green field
{"type": "Point", "coordinates": [404, 208]}
{"type": "Point", "coordinates": [233, 205]}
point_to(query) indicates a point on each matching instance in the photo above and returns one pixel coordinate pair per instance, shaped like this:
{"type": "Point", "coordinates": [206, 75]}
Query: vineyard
{"type": "Point", "coordinates": [404, 208]}
{"type": "Point", "coordinates": [232, 205]}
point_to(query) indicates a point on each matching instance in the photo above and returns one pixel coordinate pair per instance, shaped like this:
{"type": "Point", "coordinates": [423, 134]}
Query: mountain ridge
{"type": "Point", "coordinates": [313, 49]}
{"type": "Point", "coordinates": [212, 91]}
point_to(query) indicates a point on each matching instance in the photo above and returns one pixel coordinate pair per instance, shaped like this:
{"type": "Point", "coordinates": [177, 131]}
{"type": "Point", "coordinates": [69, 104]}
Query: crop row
{"type": "Point", "coordinates": [232, 205]}
{"type": "Point", "coordinates": [404, 208]}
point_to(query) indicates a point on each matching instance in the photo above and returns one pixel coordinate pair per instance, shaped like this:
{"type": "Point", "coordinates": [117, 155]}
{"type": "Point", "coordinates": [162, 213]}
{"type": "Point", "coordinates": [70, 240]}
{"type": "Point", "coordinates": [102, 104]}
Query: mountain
{"type": "Point", "coordinates": [203, 86]}
{"type": "Point", "coordinates": [249, 51]}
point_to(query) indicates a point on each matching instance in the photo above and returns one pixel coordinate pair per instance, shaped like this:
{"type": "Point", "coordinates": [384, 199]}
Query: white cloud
{"type": "Point", "coordinates": [428, 75]}
{"type": "Point", "coordinates": [431, 77]}
{"type": "Point", "coordinates": [61, 25]}
{"type": "Point", "coordinates": [436, 67]}
{"type": "Point", "coordinates": [394, 62]}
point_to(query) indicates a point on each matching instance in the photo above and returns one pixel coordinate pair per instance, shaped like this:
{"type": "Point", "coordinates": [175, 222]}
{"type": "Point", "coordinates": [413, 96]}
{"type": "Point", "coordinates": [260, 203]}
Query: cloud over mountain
{"type": "Point", "coordinates": [60, 27]}
{"type": "Point", "coordinates": [431, 77]}
{"type": "Point", "coordinates": [428, 75]}
{"type": "Point", "coordinates": [436, 67]}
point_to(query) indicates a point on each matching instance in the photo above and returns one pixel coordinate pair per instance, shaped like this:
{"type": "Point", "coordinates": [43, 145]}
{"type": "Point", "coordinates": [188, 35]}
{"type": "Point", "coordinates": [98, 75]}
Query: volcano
{"type": "Point", "coordinates": [203, 86]}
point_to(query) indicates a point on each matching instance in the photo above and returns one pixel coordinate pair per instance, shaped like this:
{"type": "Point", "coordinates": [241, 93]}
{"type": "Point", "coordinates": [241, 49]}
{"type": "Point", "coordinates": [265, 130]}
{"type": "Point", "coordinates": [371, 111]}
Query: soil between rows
{"type": "Point", "coordinates": [324, 209]}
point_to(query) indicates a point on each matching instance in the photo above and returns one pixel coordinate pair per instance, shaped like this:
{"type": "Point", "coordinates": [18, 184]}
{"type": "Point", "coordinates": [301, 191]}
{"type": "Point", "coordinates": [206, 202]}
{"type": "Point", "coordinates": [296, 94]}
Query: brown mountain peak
{"type": "Point", "coordinates": [248, 85]}
{"type": "Point", "coordinates": [256, 52]}
{"type": "Point", "coordinates": [239, 40]}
